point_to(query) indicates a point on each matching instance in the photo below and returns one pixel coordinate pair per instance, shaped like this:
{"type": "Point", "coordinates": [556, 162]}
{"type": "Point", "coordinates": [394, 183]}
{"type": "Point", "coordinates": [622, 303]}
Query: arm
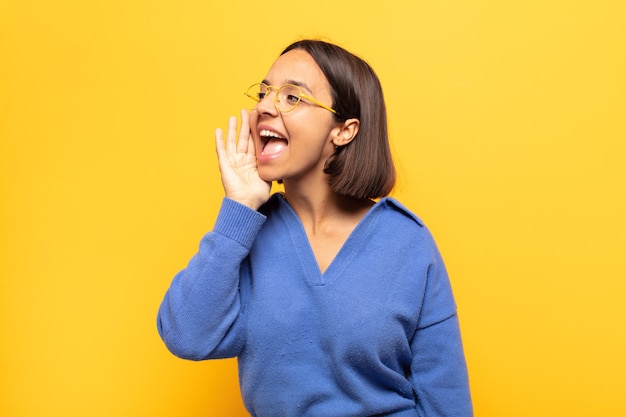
{"type": "Point", "coordinates": [198, 317]}
{"type": "Point", "coordinates": [438, 369]}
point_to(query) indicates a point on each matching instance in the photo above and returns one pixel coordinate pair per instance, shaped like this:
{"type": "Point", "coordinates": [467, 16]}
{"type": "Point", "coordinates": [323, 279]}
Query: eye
{"type": "Point", "coordinates": [261, 92]}
{"type": "Point", "coordinates": [292, 99]}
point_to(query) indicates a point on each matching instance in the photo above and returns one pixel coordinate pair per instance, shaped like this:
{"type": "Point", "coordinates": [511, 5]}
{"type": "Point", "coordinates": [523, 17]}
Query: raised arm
{"type": "Point", "coordinates": [199, 316]}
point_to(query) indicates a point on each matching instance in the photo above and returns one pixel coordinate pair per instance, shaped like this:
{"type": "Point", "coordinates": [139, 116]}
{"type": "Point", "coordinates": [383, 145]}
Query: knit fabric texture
{"type": "Point", "coordinates": [375, 334]}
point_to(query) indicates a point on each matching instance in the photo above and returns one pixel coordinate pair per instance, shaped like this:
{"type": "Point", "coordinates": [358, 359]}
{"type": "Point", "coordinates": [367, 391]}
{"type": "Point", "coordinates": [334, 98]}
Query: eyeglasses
{"type": "Point", "coordinates": [287, 96]}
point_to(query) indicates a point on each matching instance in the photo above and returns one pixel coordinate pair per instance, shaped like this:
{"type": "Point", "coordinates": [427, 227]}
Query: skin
{"type": "Point", "coordinates": [310, 134]}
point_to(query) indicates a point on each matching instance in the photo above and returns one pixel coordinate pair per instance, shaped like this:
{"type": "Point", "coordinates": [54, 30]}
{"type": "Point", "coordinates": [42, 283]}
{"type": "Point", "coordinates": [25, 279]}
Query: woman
{"type": "Point", "coordinates": [334, 304]}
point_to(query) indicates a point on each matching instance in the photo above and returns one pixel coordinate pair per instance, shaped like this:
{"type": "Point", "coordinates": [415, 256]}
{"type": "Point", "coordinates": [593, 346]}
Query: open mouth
{"type": "Point", "coordinates": [272, 143]}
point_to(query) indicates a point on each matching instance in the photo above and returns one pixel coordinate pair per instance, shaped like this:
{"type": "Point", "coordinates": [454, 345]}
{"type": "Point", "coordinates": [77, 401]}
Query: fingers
{"type": "Point", "coordinates": [243, 144]}
{"type": "Point", "coordinates": [244, 133]}
{"type": "Point", "coordinates": [245, 115]}
{"type": "Point", "coordinates": [219, 143]}
{"type": "Point", "coordinates": [231, 135]}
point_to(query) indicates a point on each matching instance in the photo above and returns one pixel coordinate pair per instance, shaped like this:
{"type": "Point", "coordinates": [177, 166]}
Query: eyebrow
{"type": "Point", "coordinates": [294, 82]}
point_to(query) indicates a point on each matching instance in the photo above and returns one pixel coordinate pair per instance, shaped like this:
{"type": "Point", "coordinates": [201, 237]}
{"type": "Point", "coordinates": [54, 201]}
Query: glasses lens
{"type": "Point", "coordinates": [288, 97]}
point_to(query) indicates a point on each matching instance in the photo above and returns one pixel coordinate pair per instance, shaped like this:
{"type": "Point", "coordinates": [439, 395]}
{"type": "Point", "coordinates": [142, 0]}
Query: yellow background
{"type": "Point", "coordinates": [508, 126]}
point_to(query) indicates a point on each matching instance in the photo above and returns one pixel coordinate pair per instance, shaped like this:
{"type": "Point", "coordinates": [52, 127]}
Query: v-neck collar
{"type": "Point", "coordinates": [358, 237]}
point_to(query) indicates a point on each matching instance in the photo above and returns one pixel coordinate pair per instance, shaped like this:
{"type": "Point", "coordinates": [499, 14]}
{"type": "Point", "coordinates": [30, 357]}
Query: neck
{"type": "Point", "coordinates": [320, 206]}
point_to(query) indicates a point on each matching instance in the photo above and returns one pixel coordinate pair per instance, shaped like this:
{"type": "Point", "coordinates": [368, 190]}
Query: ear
{"type": "Point", "coordinates": [345, 132]}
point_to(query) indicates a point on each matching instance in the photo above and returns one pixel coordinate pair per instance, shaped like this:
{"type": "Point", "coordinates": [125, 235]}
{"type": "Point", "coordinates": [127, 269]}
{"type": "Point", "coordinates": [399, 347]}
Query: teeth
{"type": "Point", "coordinates": [269, 134]}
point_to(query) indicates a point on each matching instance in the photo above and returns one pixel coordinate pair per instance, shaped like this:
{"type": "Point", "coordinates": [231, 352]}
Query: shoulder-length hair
{"type": "Point", "coordinates": [363, 168]}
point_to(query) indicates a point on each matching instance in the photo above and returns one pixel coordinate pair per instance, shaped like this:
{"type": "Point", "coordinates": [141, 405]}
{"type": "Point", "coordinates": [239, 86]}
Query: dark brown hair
{"type": "Point", "coordinates": [363, 168]}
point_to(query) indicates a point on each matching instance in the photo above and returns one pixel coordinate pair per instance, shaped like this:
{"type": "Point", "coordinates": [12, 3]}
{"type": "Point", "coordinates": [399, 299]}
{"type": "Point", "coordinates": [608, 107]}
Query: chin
{"type": "Point", "coordinates": [269, 176]}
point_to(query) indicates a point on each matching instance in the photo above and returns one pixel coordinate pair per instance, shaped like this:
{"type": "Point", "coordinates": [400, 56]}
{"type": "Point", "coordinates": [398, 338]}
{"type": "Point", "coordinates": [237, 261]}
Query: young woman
{"type": "Point", "coordinates": [334, 303]}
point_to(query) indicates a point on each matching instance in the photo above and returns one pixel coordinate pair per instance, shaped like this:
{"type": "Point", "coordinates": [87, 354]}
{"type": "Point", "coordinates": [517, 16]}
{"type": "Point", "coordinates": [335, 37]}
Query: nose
{"type": "Point", "coordinates": [267, 104]}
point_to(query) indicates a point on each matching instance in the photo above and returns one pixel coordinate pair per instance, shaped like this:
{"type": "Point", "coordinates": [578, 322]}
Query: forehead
{"type": "Point", "coordinates": [297, 66]}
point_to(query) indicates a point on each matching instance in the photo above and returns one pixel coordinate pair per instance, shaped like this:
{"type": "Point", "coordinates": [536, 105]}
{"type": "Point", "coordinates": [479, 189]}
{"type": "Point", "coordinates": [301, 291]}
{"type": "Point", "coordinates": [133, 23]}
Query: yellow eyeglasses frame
{"type": "Point", "coordinates": [257, 87]}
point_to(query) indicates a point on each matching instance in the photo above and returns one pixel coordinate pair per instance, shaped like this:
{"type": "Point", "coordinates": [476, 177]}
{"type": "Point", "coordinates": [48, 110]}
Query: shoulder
{"type": "Point", "coordinates": [397, 223]}
{"type": "Point", "coordinates": [393, 208]}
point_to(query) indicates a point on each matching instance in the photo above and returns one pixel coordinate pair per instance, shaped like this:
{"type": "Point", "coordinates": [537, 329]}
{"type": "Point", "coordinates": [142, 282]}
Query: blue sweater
{"type": "Point", "coordinates": [376, 334]}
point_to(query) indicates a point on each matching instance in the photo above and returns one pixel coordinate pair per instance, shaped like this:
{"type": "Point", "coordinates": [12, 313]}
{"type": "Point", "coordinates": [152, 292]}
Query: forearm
{"type": "Point", "coordinates": [198, 315]}
{"type": "Point", "coordinates": [439, 372]}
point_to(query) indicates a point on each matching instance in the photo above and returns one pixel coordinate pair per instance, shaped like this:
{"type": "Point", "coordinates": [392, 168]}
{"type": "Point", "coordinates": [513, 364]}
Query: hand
{"type": "Point", "coordinates": [238, 166]}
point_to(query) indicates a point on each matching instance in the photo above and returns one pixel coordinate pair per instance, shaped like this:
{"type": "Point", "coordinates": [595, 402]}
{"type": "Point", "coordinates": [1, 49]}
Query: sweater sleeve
{"type": "Point", "coordinates": [438, 369]}
{"type": "Point", "coordinates": [198, 317]}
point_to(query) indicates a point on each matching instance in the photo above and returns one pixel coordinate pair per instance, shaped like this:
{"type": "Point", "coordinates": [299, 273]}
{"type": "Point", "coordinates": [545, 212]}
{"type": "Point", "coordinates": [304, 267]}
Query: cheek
{"type": "Point", "coordinates": [313, 131]}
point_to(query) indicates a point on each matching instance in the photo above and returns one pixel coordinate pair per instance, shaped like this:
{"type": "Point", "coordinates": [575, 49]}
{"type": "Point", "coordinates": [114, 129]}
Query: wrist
{"type": "Point", "coordinates": [253, 204]}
